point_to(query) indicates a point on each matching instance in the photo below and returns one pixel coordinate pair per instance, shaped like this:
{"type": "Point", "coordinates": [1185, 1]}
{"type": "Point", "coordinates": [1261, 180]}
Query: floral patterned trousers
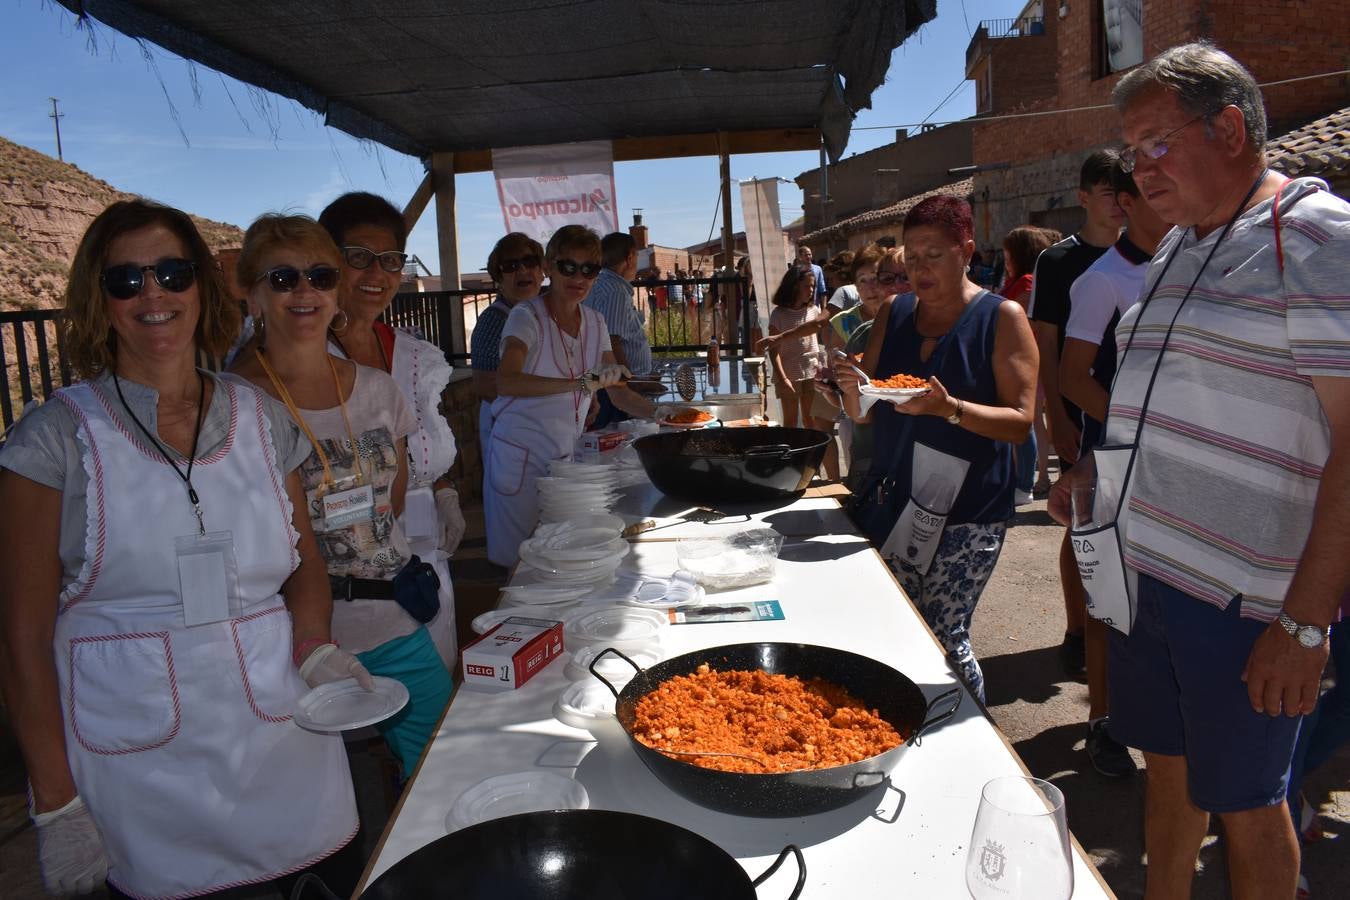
{"type": "Point", "coordinates": [947, 595]}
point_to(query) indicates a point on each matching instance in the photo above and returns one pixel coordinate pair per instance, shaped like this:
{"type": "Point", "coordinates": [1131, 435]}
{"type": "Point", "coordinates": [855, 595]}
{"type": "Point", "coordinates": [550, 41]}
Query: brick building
{"type": "Point", "coordinates": [879, 178]}
{"type": "Point", "coordinates": [1027, 168]}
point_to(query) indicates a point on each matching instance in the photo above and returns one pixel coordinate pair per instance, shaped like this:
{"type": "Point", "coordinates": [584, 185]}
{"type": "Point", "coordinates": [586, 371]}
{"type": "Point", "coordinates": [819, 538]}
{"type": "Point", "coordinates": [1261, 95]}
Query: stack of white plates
{"type": "Point", "coordinates": [575, 489]}
{"type": "Point", "coordinates": [575, 555]}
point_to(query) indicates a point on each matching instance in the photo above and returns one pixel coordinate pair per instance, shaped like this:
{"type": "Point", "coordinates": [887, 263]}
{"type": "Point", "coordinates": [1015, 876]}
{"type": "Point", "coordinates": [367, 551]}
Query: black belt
{"type": "Point", "coordinates": [345, 587]}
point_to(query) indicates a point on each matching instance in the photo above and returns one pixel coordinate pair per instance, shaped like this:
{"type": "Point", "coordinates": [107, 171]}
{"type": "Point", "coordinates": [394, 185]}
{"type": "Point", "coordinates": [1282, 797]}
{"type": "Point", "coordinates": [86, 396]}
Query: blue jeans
{"type": "Point", "coordinates": [413, 661]}
{"type": "Point", "coordinates": [1025, 456]}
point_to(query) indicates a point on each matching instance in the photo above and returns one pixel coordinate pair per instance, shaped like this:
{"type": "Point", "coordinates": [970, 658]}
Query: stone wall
{"type": "Point", "coordinates": [461, 406]}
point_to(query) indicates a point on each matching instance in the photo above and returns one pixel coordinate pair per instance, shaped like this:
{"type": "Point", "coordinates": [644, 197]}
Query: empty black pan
{"type": "Point", "coordinates": [716, 466]}
{"type": "Point", "coordinates": [573, 854]}
{"type": "Point", "coordinates": [895, 697]}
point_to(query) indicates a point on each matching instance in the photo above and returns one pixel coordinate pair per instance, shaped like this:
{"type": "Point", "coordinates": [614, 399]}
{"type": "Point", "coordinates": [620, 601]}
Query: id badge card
{"type": "Point", "coordinates": [208, 578]}
{"type": "Point", "coordinates": [345, 507]}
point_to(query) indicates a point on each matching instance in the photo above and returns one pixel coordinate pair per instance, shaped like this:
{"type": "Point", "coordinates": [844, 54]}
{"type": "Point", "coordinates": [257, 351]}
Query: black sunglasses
{"type": "Point", "coordinates": [570, 267]}
{"type": "Point", "coordinates": [284, 279]}
{"type": "Point", "coordinates": [126, 281]}
{"type": "Point", "coordinates": [514, 265]}
{"type": "Point", "coordinates": [361, 257]}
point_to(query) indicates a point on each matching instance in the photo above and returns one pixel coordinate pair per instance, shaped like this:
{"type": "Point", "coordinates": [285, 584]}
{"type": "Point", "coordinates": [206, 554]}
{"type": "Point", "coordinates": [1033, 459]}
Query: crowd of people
{"type": "Point", "coordinates": [196, 550]}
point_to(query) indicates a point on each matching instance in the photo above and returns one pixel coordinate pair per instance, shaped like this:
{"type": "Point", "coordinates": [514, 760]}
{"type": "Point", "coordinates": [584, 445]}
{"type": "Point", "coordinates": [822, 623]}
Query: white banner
{"type": "Point", "coordinates": [764, 241]}
{"type": "Point", "coordinates": [546, 187]}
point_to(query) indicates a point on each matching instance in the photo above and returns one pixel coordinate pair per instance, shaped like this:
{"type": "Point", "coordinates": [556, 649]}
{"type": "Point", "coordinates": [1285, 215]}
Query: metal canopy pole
{"type": "Point", "coordinates": [728, 242]}
{"type": "Point", "coordinates": [447, 240]}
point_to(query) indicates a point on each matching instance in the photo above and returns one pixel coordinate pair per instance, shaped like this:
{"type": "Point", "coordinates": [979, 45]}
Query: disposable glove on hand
{"type": "Point", "coordinates": [451, 519]}
{"type": "Point", "coordinates": [663, 413]}
{"type": "Point", "coordinates": [70, 850]}
{"type": "Point", "coordinates": [607, 375]}
{"type": "Point", "coordinates": [329, 662]}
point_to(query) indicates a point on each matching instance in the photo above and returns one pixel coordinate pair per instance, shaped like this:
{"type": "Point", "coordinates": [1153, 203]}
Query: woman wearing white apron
{"type": "Point", "coordinates": [154, 540]}
{"type": "Point", "coordinates": [516, 266]}
{"type": "Point", "coordinates": [371, 234]}
{"type": "Point", "coordinates": [553, 357]}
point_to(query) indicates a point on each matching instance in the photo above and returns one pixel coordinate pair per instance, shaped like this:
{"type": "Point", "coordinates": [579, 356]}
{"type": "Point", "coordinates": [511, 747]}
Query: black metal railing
{"type": "Point", "coordinates": [997, 29]}
{"type": "Point", "coordinates": [32, 360]}
{"type": "Point", "coordinates": [682, 315]}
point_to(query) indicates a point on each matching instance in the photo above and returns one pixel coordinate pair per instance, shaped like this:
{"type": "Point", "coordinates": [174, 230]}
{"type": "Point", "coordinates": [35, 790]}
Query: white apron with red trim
{"type": "Point", "coordinates": [422, 373]}
{"type": "Point", "coordinates": [180, 739]}
{"type": "Point", "coordinates": [530, 432]}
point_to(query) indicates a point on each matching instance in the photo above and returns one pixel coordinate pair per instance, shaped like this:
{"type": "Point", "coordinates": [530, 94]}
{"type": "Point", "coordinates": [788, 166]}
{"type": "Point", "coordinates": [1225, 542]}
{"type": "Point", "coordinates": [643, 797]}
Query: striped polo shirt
{"type": "Point", "coordinates": [1232, 447]}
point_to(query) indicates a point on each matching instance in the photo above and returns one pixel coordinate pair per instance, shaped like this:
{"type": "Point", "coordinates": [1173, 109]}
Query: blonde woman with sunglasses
{"type": "Point", "coordinates": [355, 477]}
{"type": "Point", "coordinates": [554, 356]}
{"type": "Point", "coordinates": [162, 601]}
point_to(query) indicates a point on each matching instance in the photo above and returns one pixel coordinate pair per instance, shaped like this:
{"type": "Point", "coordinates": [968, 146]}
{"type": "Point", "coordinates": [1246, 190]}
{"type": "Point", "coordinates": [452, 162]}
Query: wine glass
{"type": "Point", "coordinates": [1019, 847]}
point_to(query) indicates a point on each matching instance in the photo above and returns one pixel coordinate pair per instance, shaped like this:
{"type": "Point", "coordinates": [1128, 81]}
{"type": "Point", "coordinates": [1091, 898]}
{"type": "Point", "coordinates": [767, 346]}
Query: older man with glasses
{"type": "Point", "coordinates": [1228, 432]}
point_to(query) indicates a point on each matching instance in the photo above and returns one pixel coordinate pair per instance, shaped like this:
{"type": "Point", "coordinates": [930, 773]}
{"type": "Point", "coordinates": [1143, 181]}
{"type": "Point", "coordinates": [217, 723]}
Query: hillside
{"type": "Point", "coordinates": [45, 206]}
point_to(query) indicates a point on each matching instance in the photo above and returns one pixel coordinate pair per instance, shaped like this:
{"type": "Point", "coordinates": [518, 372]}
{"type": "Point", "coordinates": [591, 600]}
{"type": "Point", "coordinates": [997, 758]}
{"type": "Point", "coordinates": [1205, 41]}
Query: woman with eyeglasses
{"type": "Point", "coordinates": [356, 424]}
{"type": "Point", "coordinates": [939, 494]}
{"type": "Point", "coordinates": [163, 604]}
{"type": "Point", "coordinates": [516, 265]}
{"type": "Point", "coordinates": [372, 234]}
{"type": "Point", "coordinates": [554, 356]}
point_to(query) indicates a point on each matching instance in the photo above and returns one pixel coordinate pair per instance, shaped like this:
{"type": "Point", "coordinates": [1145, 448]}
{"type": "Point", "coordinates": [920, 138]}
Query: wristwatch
{"type": "Point", "coordinates": [955, 418]}
{"type": "Point", "coordinates": [1309, 636]}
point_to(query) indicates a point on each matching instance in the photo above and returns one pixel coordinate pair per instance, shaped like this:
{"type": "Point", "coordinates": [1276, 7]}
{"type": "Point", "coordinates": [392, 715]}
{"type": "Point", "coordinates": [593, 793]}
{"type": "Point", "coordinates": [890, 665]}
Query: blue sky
{"type": "Point", "coordinates": [241, 160]}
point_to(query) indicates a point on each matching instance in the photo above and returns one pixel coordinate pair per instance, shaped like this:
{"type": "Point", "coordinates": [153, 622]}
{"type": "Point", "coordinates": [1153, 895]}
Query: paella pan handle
{"type": "Point", "coordinates": [780, 450]}
{"type": "Point", "coordinates": [612, 689]}
{"type": "Point", "coordinates": [801, 870]}
{"type": "Point", "coordinates": [930, 720]}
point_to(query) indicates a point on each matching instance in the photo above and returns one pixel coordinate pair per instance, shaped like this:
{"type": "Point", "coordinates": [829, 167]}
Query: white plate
{"type": "Point", "coordinates": [612, 667]}
{"type": "Point", "coordinates": [893, 395]}
{"type": "Point", "coordinates": [592, 576]}
{"type": "Point", "coordinates": [484, 623]}
{"type": "Point", "coordinates": [597, 520]}
{"type": "Point", "coordinates": [685, 426]}
{"type": "Point", "coordinates": [542, 595]}
{"type": "Point", "coordinates": [344, 705]}
{"type": "Point", "coordinates": [613, 626]}
{"type": "Point", "coordinates": [584, 704]}
{"type": "Point", "coordinates": [518, 792]}
{"type": "Point", "coordinates": [546, 562]}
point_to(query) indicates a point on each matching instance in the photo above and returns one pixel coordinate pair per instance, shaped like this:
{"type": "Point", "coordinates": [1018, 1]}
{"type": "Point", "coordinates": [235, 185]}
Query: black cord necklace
{"type": "Point", "coordinates": [196, 434]}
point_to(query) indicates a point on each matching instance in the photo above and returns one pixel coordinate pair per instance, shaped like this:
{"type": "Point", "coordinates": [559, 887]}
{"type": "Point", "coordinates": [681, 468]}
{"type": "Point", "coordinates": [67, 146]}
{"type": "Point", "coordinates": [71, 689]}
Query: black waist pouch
{"type": "Point", "coordinates": [417, 590]}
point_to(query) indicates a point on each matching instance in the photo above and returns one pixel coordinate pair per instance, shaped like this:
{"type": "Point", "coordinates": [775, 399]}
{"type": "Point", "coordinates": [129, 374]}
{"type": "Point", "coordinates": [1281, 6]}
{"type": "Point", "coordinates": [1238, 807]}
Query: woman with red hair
{"type": "Point", "coordinates": [939, 493]}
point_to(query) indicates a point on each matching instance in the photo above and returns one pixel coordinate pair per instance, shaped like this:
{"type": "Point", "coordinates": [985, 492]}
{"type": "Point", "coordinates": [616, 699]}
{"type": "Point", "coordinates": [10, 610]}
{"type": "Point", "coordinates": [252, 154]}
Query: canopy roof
{"type": "Point", "coordinates": [422, 76]}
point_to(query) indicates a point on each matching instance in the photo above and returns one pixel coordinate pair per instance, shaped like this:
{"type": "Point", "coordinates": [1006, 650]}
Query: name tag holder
{"type": "Point", "coordinates": [208, 578]}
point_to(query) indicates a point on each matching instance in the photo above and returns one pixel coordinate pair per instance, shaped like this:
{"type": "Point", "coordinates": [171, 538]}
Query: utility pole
{"type": "Point", "coordinates": [56, 118]}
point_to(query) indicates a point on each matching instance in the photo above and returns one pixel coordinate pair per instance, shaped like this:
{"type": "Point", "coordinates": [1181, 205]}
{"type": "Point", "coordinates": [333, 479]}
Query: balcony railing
{"type": "Point", "coordinates": [997, 29]}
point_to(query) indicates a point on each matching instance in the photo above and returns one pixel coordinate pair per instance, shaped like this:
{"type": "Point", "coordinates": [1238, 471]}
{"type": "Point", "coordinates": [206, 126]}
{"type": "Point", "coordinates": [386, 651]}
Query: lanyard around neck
{"type": "Point", "coordinates": [285, 396]}
{"type": "Point", "coordinates": [192, 457]}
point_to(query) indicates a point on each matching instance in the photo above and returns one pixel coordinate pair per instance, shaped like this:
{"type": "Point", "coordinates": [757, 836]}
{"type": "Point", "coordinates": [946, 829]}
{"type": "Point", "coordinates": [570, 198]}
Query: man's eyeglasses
{"type": "Point", "coordinates": [126, 281]}
{"type": "Point", "coordinates": [570, 267]}
{"type": "Point", "coordinates": [361, 257]}
{"type": "Point", "coordinates": [284, 279]}
{"type": "Point", "coordinates": [1152, 149]}
{"type": "Point", "coordinates": [515, 265]}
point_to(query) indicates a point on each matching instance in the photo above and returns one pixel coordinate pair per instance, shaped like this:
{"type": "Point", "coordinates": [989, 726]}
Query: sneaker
{"type": "Point", "coordinates": [1073, 655]}
{"type": "Point", "coordinates": [1022, 498]}
{"type": "Point", "coordinates": [1109, 756]}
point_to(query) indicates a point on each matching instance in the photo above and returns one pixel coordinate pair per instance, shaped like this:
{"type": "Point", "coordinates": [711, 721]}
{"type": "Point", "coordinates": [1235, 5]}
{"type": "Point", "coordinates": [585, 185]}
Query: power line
{"type": "Point", "coordinates": [1056, 112]}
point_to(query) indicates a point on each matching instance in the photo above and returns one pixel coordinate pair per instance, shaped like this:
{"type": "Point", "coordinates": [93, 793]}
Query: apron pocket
{"type": "Point", "coordinates": [262, 644]}
{"type": "Point", "coordinates": [123, 693]}
{"type": "Point", "coordinates": [507, 466]}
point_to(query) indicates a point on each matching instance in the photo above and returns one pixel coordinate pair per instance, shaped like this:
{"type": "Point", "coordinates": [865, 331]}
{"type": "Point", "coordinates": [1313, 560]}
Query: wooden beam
{"type": "Point", "coordinates": [418, 204]}
{"type": "Point", "coordinates": [447, 240]}
{"type": "Point", "coordinates": [774, 140]}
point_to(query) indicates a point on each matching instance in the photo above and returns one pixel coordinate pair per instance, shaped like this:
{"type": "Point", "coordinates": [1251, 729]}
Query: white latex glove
{"type": "Point", "coordinates": [451, 519]}
{"type": "Point", "coordinates": [70, 850]}
{"type": "Point", "coordinates": [607, 375]}
{"type": "Point", "coordinates": [329, 662]}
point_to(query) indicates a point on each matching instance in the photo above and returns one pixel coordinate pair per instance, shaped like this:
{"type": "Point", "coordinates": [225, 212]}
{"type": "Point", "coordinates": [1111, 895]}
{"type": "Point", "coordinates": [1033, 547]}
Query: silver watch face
{"type": "Point", "coordinates": [1310, 636]}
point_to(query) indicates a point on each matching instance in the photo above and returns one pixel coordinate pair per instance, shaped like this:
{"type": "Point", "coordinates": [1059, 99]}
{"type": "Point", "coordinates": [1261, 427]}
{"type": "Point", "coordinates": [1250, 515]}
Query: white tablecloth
{"type": "Point", "coordinates": [909, 840]}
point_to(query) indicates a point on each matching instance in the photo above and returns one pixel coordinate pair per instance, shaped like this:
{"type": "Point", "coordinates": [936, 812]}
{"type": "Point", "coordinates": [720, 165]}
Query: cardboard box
{"type": "Point", "coordinates": [511, 653]}
{"type": "Point", "coordinates": [592, 446]}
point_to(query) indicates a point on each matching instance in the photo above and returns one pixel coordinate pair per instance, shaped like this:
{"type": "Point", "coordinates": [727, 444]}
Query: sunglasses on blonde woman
{"type": "Point", "coordinates": [570, 267]}
{"type": "Point", "coordinates": [284, 279]}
